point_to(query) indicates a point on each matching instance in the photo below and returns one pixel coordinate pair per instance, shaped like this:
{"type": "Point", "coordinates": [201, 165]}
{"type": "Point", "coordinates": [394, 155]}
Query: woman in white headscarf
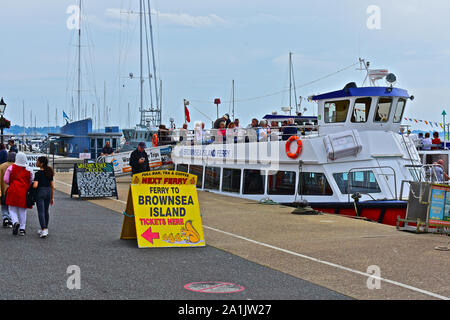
{"type": "Point", "coordinates": [19, 177]}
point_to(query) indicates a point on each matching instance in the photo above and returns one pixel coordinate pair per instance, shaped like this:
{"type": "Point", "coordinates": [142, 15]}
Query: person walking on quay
{"type": "Point", "coordinates": [3, 187]}
{"type": "Point", "coordinates": [45, 191]}
{"type": "Point", "coordinates": [19, 177]}
{"type": "Point", "coordinates": [3, 153]}
{"type": "Point", "coordinates": [12, 146]}
{"type": "Point", "coordinates": [139, 159]}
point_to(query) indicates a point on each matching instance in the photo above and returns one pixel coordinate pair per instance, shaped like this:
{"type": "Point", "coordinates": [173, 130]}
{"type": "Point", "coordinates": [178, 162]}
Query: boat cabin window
{"type": "Point", "coordinates": [231, 180]}
{"type": "Point", "coordinates": [254, 181]}
{"type": "Point", "coordinates": [212, 178]}
{"type": "Point", "coordinates": [399, 110]}
{"type": "Point", "coordinates": [182, 167]}
{"type": "Point", "coordinates": [361, 110]}
{"type": "Point", "coordinates": [383, 110]}
{"type": "Point", "coordinates": [198, 171]}
{"type": "Point", "coordinates": [336, 111]}
{"type": "Point", "coordinates": [314, 184]}
{"type": "Point", "coordinates": [360, 181]}
{"type": "Point", "coordinates": [281, 183]}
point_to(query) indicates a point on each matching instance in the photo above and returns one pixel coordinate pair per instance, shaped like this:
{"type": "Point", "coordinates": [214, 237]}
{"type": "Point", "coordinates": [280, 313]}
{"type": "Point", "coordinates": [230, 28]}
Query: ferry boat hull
{"type": "Point", "coordinates": [384, 212]}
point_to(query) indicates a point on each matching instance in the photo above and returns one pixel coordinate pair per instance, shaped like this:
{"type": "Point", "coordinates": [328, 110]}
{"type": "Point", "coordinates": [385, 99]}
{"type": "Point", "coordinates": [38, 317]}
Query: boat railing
{"type": "Point", "coordinates": [428, 175]}
{"type": "Point", "coordinates": [349, 178]}
{"type": "Point", "coordinates": [200, 136]}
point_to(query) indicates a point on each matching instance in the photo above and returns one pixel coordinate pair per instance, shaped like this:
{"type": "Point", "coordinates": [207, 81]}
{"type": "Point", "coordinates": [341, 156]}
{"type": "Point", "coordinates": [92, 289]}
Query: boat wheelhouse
{"type": "Point", "coordinates": [350, 161]}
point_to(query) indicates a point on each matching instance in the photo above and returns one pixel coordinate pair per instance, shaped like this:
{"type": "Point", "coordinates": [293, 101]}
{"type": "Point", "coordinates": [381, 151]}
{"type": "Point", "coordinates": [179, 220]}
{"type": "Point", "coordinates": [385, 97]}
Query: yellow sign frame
{"type": "Point", "coordinates": [162, 210]}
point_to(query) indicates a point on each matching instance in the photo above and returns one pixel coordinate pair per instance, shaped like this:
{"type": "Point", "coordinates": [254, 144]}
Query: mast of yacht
{"type": "Point", "coordinates": [232, 99]}
{"type": "Point", "coordinates": [292, 86]}
{"type": "Point", "coordinates": [154, 64]}
{"type": "Point", "coordinates": [79, 62]}
{"type": "Point", "coordinates": [141, 108]}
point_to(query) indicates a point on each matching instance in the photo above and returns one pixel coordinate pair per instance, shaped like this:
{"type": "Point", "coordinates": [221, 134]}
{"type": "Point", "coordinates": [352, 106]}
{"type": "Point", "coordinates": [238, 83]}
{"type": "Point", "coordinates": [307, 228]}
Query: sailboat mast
{"type": "Point", "coordinates": [232, 91]}
{"type": "Point", "coordinates": [79, 63]}
{"type": "Point", "coordinates": [141, 64]}
{"type": "Point", "coordinates": [290, 82]}
{"type": "Point", "coordinates": [153, 53]}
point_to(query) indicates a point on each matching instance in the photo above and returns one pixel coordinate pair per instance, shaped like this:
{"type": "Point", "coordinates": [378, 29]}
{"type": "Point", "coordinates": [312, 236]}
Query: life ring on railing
{"type": "Point", "coordinates": [299, 147]}
{"type": "Point", "coordinates": [155, 140]}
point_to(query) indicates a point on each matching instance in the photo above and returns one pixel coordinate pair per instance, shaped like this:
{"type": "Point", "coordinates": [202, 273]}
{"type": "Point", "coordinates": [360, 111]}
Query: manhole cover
{"type": "Point", "coordinates": [214, 287]}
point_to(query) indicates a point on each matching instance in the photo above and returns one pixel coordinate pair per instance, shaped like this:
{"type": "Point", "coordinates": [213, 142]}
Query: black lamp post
{"type": "Point", "coordinates": [2, 120]}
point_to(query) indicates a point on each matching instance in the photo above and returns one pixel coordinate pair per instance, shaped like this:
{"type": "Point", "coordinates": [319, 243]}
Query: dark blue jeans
{"type": "Point", "coordinates": [43, 197]}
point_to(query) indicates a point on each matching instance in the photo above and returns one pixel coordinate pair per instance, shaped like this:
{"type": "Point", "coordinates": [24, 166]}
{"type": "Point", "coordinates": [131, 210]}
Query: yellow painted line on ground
{"type": "Point", "coordinates": [337, 266]}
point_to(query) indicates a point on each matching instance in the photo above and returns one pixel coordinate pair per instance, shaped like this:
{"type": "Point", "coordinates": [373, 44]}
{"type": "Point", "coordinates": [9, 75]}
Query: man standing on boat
{"type": "Point", "coordinates": [107, 150]}
{"type": "Point", "coordinates": [439, 171]}
{"type": "Point", "coordinates": [139, 159]}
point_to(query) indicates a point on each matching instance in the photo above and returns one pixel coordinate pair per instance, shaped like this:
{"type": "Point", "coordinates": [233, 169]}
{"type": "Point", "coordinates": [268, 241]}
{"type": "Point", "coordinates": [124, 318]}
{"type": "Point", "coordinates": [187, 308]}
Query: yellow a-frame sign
{"type": "Point", "coordinates": [162, 210]}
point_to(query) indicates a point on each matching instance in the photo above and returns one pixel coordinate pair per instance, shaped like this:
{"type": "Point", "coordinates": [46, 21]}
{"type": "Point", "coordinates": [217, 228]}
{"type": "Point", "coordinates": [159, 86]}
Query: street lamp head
{"type": "Point", "coordinates": [2, 107]}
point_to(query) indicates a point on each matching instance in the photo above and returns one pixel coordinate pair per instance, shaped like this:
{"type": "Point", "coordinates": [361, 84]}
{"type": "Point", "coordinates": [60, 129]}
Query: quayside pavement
{"type": "Point", "coordinates": [250, 244]}
{"type": "Point", "coordinates": [83, 258]}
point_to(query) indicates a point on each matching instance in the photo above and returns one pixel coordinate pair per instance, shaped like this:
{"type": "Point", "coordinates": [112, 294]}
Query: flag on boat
{"type": "Point", "coordinates": [186, 114]}
{"type": "Point", "coordinates": [66, 117]}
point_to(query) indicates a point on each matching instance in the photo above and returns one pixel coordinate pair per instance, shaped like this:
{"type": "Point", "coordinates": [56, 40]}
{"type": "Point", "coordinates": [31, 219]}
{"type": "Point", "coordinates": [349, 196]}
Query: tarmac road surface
{"type": "Point", "coordinates": [86, 235]}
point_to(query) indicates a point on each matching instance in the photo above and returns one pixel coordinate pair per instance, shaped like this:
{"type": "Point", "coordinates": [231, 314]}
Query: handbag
{"type": "Point", "coordinates": [31, 196]}
{"type": "Point", "coordinates": [3, 199]}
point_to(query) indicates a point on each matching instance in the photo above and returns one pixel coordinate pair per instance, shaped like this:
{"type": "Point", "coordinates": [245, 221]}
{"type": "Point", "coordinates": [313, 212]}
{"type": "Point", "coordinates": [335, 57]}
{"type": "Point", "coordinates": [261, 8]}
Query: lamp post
{"type": "Point", "coordinates": [2, 120]}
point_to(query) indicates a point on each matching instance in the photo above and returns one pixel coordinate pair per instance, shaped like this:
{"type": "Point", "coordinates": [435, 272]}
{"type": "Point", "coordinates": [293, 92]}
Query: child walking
{"type": "Point", "coordinates": [19, 177]}
{"type": "Point", "coordinates": [45, 190]}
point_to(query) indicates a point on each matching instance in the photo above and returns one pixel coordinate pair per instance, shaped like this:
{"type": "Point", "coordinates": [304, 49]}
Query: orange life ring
{"type": "Point", "coordinates": [299, 147]}
{"type": "Point", "coordinates": [155, 140]}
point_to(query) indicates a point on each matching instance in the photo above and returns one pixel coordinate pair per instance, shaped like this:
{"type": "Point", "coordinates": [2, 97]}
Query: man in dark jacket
{"type": "Point", "coordinates": [225, 118]}
{"type": "Point", "coordinates": [139, 159]}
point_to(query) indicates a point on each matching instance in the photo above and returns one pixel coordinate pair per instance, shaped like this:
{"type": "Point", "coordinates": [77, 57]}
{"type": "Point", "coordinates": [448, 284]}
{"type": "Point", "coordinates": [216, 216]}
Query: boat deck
{"type": "Point", "coordinates": [328, 250]}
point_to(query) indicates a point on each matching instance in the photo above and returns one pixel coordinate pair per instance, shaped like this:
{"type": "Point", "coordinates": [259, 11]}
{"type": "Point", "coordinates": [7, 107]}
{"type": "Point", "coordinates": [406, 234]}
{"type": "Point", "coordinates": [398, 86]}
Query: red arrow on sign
{"type": "Point", "coordinates": [149, 235]}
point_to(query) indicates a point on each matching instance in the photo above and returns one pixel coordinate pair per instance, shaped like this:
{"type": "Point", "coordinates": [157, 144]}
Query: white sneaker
{"type": "Point", "coordinates": [39, 231]}
{"type": "Point", "coordinates": [44, 233]}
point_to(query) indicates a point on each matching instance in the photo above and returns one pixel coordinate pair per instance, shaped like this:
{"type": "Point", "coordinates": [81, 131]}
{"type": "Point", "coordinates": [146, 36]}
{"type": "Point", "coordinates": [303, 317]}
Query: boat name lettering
{"type": "Point", "coordinates": [206, 153]}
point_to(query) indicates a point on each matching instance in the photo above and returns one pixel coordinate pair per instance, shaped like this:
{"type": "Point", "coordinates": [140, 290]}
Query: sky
{"type": "Point", "coordinates": [201, 46]}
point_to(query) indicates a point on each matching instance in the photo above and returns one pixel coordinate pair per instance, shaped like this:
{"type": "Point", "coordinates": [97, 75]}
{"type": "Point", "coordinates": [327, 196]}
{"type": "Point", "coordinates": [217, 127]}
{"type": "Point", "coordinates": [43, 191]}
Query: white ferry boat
{"type": "Point", "coordinates": [350, 161]}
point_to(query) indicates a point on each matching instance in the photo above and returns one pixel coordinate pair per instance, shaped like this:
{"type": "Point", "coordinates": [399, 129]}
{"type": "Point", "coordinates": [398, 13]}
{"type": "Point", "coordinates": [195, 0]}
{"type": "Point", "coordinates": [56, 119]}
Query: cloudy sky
{"type": "Point", "coordinates": [202, 45]}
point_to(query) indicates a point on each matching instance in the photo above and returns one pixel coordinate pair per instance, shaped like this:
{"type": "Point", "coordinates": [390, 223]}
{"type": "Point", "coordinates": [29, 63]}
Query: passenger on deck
{"type": "Point", "coordinates": [420, 141]}
{"type": "Point", "coordinates": [254, 124]}
{"type": "Point", "coordinates": [262, 131]}
{"type": "Point", "coordinates": [232, 132]}
{"type": "Point", "coordinates": [427, 142]}
{"type": "Point", "coordinates": [236, 123]}
{"type": "Point", "coordinates": [225, 118]}
{"type": "Point", "coordinates": [183, 133]}
{"type": "Point", "coordinates": [289, 130]}
{"type": "Point", "coordinates": [200, 133]}
{"type": "Point", "coordinates": [436, 141]}
{"type": "Point", "coordinates": [221, 132]}
{"type": "Point", "coordinates": [107, 150]}
{"type": "Point", "coordinates": [438, 168]}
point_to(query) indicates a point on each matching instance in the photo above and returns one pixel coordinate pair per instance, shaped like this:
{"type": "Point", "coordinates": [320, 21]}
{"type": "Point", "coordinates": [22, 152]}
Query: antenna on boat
{"type": "Point", "coordinates": [372, 74]}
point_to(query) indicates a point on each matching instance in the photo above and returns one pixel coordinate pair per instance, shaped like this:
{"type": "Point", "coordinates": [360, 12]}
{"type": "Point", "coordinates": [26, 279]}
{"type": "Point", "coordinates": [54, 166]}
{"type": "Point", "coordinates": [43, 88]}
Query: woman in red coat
{"type": "Point", "coordinates": [19, 177]}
